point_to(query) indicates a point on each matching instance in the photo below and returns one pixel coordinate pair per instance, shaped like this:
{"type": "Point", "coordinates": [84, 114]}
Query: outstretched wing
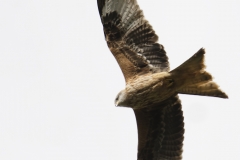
{"type": "Point", "coordinates": [133, 43]}
{"type": "Point", "coordinates": [160, 131]}
{"type": "Point", "coordinates": [131, 38]}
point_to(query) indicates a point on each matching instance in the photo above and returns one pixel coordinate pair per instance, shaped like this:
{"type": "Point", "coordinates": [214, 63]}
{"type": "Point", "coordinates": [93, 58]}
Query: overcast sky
{"type": "Point", "coordinates": [58, 80]}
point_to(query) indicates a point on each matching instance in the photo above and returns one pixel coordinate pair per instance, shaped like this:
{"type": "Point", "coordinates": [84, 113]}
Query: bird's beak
{"type": "Point", "coordinates": [116, 104]}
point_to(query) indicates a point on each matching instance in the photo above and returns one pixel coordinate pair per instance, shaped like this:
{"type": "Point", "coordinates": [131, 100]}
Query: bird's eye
{"type": "Point", "coordinates": [169, 82]}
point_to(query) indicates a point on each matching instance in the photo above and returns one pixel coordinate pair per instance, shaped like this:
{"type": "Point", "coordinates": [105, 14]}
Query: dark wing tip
{"type": "Point", "coordinates": [200, 52]}
{"type": "Point", "coordinates": [101, 4]}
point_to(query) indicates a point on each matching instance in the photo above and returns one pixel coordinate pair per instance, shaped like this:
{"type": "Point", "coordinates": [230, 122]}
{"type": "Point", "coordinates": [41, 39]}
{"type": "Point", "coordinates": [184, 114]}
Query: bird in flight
{"type": "Point", "coordinates": [151, 88]}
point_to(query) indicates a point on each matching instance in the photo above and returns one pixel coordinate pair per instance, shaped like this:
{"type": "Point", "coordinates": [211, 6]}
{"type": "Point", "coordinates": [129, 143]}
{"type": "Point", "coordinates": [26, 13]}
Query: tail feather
{"type": "Point", "coordinates": [193, 78]}
{"type": "Point", "coordinates": [193, 64]}
{"type": "Point", "coordinates": [206, 89]}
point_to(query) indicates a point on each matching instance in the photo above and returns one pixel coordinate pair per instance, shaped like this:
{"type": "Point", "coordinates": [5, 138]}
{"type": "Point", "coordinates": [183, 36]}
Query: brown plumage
{"type": "Point", "coordinates": [151, 90]}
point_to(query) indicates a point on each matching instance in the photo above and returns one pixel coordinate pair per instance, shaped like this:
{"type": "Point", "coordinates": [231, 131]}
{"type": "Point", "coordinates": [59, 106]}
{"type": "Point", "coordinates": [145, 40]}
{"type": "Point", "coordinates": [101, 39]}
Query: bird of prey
{"type": "Point", "coordinates": [151, 88]}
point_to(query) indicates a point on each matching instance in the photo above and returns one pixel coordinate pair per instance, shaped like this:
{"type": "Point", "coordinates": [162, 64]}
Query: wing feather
{"type": "Point", "coordinates": [160, 131]}
{"type": "Point", "coordinates": [133, 42]}
{"type": "Point", "coordinates": [129, 33]}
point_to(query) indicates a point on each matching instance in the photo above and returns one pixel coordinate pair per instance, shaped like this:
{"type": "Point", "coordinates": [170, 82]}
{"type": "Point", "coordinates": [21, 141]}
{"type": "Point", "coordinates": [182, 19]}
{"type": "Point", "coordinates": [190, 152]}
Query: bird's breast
{"type": "Point", "coordinates": [147, 90]}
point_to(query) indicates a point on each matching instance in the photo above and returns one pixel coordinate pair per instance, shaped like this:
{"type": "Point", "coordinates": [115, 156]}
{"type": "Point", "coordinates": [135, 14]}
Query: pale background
{"type": "Point", "coordinates": [58, 80]}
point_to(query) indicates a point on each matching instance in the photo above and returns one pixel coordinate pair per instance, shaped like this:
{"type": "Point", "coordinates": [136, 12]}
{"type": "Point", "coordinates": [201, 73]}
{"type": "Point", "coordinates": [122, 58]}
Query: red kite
{"type": "Point", "coordinates": [151, 88]}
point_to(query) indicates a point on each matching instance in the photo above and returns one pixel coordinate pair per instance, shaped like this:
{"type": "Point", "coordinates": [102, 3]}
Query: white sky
{"type": "Point", "coordinates": [58, 80]}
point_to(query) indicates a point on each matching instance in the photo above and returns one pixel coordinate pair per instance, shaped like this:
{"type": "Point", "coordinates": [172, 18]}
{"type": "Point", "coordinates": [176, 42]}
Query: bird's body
{"type": "Point", "coordinates": [151, 88]}
{"type": "Point", "coordinates": [144, 91]}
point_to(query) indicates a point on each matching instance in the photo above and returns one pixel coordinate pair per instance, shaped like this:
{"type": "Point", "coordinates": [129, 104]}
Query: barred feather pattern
{"type": "Point", "coordinates": [164, 128]}
{"type": "Point", "coordinates": [126, 28]}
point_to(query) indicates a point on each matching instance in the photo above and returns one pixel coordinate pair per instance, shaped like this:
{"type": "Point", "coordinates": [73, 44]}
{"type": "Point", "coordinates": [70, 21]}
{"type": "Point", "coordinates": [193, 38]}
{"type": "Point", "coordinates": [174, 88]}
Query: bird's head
{"type": "Point", "coordinates": [121, 98]}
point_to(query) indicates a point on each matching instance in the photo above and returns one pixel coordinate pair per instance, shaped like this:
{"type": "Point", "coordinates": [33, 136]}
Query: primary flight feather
{"type": "Point", "coordinates": [151, 89]}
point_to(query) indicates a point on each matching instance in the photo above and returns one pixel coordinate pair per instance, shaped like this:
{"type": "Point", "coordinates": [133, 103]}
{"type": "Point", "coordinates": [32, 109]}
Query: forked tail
{"type": "Point", "coordinates": [193, 78]}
